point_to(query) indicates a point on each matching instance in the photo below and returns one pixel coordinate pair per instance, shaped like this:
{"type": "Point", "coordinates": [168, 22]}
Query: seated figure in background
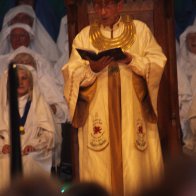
{"type": "Point", "coordinates": [19, 35]}
{"type": "Point", "coordinates": [46, 79]}
{"type": "Point", "coordinates": [22, 28]}
{"type": "Point", "coordinates": [56, 101]}
{"type": "Point", "coordinates": [37, 135]}
{"type": "Point", "coordinates": [47, 86]}
{"type": "Point", "coordinates": [43, 43]}
{"type": "Point", "coordinates": [186, 67]}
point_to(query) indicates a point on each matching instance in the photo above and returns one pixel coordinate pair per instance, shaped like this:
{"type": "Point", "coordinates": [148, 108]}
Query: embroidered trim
{"type": "Point", "coordinates": [71, 86]}
{"type": "Point", "coordinates": [24, 116]}
{"type": "Point", "coordinates": [141, 140]}
{"type": "Point", "coordinates": [148, 70]}
{"type": "Point", "coordinates": [97, 138]}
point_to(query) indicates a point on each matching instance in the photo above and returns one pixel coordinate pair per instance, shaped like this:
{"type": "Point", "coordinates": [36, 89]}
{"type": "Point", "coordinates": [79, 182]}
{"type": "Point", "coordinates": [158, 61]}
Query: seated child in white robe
{"type": "Point", "coordinates": [37, 138]}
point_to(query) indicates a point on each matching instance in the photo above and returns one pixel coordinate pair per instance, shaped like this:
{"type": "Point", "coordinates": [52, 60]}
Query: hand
{"type": "Point", "coordinates": [53, 107]}
{"type": "Point", "coordinates": [6, 149]}
{"type": "Point", "coordinates": [28, 149]}
{"type": "Point", "coordinates": [100, 64]}
{"type": "Point", "coordinates": [126, 60]}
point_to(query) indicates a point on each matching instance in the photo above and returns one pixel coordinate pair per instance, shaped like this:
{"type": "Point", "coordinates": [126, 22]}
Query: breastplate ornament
{"type": "Point", "coordinates": [125, 40]}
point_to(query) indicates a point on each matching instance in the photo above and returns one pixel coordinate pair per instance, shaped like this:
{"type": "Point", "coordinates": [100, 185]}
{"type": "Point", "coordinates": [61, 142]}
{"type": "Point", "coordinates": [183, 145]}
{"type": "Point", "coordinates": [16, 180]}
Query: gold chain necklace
{"type": "Point", "coordinates": [125, 40]}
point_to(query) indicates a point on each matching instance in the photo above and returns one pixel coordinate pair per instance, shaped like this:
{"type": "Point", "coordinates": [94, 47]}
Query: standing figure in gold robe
{"type": "Point", "coordinates": [113, 103]}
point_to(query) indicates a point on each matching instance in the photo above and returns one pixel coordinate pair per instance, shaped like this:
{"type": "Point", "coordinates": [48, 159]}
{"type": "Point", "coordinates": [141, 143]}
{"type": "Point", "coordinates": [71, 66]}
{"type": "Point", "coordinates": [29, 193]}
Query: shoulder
{"type": "Point", "coordinates": [84, 31]}
{"type": "Point", "coordinates": [82, 37]}
{"type": "Point", "coordinates": [140, 25]}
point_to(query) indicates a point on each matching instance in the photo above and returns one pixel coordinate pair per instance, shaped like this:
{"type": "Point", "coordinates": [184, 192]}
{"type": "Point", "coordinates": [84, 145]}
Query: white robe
{"type": "Point", "coordinates": [186, 66]}
{"type": "Point", "coordinates": [63, 45]}
{"type": "Point", "coordinates": [140, 168]}
{"type": "Point", "coordinates": [42, 41]}
{"type": "Point", "coordinates": [39, 132]}
{"type": "Point", "coordinates": [50, 90]}
{"type": "Point", "coordinates": [46, 81]}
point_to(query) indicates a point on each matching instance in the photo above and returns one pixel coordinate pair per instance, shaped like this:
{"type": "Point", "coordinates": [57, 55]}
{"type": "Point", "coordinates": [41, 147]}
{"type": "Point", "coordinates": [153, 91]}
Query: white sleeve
{"type": "Point", "coordinates": [152, 58]}
{"type": "Point", "coordinates": [149, 63]}
{"type": "Point", "coordinates": [192, 122]}
{"type": "Point", "coordinates": [77, 73]}
{"type": "Point", "coordinates": [44, 140]}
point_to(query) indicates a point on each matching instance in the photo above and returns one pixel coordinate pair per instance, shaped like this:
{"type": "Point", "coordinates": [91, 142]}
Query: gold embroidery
{"type": "Point", "coordinates": [85, 96]}
{"type": "Point", "coordinates": [71, 86]}
{"type": "Point", "coordinates": [141, 140]}
{"type": "Point", "coordinates": [148, 69]}
{"type": "Point", "coordinates": [98, 139]}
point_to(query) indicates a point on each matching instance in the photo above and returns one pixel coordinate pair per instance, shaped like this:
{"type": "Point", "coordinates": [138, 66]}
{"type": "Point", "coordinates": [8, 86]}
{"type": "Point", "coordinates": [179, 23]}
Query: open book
{"type": "Point", "coordinates": [116, 53]}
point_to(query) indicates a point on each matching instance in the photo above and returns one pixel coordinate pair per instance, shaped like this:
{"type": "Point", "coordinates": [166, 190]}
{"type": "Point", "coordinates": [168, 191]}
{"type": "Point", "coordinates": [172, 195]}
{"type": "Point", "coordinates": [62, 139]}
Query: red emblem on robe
{"type": "Point", "coordinates": [97, 130]}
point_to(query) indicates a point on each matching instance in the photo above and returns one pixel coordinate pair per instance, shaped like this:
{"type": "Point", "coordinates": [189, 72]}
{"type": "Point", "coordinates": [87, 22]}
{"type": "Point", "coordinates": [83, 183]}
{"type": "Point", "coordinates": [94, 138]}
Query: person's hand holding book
{"type": "Point", "coordinates": [126, 60]}
{"type": "Point", "coordinates": [100, 64]}
{"type": "Point", "coordinates": [100, 60]}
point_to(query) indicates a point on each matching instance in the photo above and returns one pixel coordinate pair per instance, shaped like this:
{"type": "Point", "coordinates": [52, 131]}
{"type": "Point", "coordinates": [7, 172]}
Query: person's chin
{"type": "Point", "coordinates": [21, 93]}
{"type": "Point", "coordinates": [105, 23]}
{"type": "Point", "coordinates": [104, 20]}
{"type": "Point", "coordinates": [16, 47]}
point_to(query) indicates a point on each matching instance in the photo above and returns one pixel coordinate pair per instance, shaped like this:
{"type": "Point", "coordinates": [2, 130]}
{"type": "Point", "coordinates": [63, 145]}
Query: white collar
{"type": "Point", "coordinates": [114, 27]}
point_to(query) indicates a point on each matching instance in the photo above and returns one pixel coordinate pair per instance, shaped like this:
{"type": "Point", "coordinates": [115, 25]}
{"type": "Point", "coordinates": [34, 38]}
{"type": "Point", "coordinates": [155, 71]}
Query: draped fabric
{"type": "Point", "coordinates": [62, 40]}
{"type": "Point", "coordinates": [49, 89]}
{"type": "Point", "coordinates": [186, 67]}
{"type": "Point", "coordinates": [115, 127]}
{"type": "Point", "coordinates": [39, 132]}
{"type": "Point", "coordinates": [41, 42]}
{"type": "Point", "coordinates": [63, 45]}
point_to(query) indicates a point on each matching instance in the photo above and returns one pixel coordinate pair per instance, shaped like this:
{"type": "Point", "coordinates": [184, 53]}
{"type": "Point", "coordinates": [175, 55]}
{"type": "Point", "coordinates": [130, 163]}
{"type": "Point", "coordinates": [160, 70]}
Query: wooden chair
{"type": "Point", "coordinates": [158, 15]}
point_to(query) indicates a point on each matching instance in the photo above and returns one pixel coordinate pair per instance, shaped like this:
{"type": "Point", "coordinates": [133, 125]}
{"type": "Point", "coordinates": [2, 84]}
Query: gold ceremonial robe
{"type": "Point", "coordinates": [141, 150]}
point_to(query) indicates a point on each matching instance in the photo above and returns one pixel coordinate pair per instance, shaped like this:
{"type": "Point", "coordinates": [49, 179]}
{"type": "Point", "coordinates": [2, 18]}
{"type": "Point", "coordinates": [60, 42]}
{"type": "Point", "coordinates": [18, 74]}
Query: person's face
{"type": "Point", "coordinates": [191, 42]}
{"type": "Point", "coordinates": [107, 11]}
{"type": "Point", "coordinates": [19, 37]}
{"type": "Point", "coordinates": [23, 83]}
{"type": "Point", "coordinates": [22, 18]}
